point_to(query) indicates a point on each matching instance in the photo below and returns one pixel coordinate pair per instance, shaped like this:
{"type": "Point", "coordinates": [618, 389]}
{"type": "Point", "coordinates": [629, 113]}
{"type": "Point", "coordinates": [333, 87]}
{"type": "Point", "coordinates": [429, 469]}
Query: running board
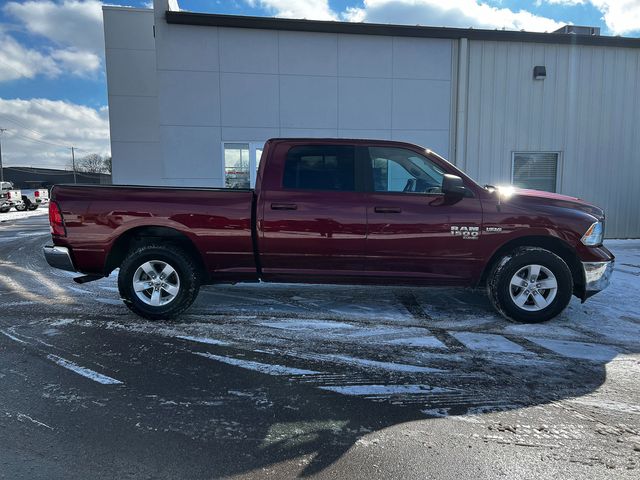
{"type": "Point", "coordinates": [87, 278]}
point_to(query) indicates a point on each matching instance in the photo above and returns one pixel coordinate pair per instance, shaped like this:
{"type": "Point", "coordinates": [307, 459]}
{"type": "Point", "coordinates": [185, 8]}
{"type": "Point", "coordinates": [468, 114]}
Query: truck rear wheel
{"type": "Point", "coordinates": [530, 285]}
{"type": "Point", "coordinates": [158, 282]}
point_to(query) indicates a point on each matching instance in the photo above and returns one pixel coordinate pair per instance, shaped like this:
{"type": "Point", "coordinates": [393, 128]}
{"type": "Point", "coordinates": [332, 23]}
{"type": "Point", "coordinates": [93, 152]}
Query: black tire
{"type": "Point", "coordinates": [21, 208]}
{"type": "Point", "coordinates": [502, 292]}
{"type": "Point", "coordinates": [185, 269]}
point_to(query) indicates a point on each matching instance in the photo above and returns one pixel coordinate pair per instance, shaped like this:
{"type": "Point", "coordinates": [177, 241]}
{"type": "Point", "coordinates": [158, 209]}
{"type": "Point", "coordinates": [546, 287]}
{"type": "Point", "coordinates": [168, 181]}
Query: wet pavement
{"type": "Point", "coordinates": [280, 381]}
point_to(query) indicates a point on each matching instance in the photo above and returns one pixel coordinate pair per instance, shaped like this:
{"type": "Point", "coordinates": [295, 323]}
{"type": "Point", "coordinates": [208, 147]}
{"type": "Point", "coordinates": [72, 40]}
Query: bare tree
{"type": "Point", "coordinates": [92, 163]}
{"type": "Point", "coordinates": [107, 164]}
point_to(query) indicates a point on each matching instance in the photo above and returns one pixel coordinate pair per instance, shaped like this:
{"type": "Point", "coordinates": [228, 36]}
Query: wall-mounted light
{"type": "Point", "coordinates": [539, 72]}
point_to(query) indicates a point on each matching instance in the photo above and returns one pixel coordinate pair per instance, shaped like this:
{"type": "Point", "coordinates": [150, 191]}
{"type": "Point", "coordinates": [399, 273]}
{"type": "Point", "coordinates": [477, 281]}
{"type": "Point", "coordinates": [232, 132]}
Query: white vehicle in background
{"type": "Point", "coordinates": [5, 205]}
{"type": "Point", "coordinates": [39, 196]}
{"type": "Point", "coordinates": [14, 198]}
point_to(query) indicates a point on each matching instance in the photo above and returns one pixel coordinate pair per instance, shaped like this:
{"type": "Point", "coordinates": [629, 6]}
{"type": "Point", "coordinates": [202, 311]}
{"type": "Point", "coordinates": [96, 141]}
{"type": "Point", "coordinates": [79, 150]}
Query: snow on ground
{"type": "Point", "coordinates": [15, 215]}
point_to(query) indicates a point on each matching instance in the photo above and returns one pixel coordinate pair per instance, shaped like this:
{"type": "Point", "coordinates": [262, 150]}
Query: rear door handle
{"type": "Point", "coordinates": [387, 209]}
{"type": "Point", "coordinates": [284, 206]}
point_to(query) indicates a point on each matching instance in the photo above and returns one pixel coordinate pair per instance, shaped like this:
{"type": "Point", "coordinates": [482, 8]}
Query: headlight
{"type": "Point", "coordinates": [594, 235]}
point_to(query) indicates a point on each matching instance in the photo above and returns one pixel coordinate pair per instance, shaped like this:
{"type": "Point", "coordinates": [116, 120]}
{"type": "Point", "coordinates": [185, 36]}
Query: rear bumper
{"type": "Point", "coordinates": [597, 276]}
{"type": "Point", "coordinates": [59, 257]}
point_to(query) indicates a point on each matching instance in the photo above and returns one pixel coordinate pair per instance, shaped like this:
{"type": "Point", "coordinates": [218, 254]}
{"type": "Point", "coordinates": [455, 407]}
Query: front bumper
{"type": "Point", "coordinates": [597, 276]}
{"type": "Point", "coordinates": [59, 257]}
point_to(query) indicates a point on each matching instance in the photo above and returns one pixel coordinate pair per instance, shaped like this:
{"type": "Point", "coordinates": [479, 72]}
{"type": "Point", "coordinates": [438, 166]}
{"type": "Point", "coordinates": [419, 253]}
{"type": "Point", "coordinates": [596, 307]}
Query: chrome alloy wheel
{"type": "Point", "coordinates": [156, 283]}
{"type": "Point", "coordinates": [533, 288]}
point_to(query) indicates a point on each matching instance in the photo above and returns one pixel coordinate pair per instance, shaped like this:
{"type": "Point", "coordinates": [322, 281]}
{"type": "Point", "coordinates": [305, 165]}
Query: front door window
{"type": "Point", "coordinates": [401, 170]}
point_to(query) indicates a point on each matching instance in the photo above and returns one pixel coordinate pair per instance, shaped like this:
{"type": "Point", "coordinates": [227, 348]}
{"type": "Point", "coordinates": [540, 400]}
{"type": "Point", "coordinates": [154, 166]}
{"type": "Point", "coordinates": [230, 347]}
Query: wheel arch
{"type": "Point", "coordinates": [553, 244]}
{"type": "Point", "coordinates": [146, 234]}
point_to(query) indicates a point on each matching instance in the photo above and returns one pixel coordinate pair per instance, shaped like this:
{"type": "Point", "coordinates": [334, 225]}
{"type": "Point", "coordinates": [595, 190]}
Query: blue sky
{"type": "Point", "coordinates": [53, 90]}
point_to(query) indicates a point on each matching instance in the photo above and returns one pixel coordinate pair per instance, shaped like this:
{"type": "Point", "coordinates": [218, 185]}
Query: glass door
{"type": "Point", "coordinates": [256, 154]}
{"type": "Point", "coordinates": [237, 165]}
{"type": "Point", "coordinates": [240, 163]}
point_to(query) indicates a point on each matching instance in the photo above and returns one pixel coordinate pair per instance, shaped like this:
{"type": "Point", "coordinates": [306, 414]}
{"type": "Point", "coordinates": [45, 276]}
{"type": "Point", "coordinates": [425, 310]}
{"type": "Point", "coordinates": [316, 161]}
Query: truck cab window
{"type": "Point", "coordinates": [323, 167]}
{"type": "Point", "coordinates": [402, 170]}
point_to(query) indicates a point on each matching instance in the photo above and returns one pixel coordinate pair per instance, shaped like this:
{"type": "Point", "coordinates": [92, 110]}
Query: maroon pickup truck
{"type": "Point", "coordinates": [335, 211]}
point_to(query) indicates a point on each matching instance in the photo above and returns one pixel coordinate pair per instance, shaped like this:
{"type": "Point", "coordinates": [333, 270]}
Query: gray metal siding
{"type": "Point", "coordinates": [588, 108]}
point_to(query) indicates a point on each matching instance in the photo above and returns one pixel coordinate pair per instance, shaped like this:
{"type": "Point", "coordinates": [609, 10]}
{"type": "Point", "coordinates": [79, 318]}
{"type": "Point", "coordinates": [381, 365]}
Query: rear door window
{"type": "Point", "coordinates": [322, 167]}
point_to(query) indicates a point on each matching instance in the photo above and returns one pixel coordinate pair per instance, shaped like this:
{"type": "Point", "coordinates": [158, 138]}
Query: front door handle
{"type": "Point", "coordinates": [387, 209]}
{"type": "Point", "coordinates": [284, 206]}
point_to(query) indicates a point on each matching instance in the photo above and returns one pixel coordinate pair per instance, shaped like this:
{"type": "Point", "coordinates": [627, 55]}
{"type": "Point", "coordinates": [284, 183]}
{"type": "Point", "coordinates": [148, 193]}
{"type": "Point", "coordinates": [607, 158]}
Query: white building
{"type": "Point", "coordinates": [193, 97]}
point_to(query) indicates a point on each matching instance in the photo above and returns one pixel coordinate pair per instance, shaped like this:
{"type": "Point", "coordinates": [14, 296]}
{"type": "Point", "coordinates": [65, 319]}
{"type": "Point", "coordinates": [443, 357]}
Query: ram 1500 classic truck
{"type": "Point", "coordinates": [335, 211]}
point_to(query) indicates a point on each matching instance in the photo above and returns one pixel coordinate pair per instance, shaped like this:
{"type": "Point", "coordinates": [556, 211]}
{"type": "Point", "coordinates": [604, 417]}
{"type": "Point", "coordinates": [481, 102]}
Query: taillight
{"type": "Point", "coordinates": [37, 193]}
{"type": "Point", "coordinates": [55, 220]}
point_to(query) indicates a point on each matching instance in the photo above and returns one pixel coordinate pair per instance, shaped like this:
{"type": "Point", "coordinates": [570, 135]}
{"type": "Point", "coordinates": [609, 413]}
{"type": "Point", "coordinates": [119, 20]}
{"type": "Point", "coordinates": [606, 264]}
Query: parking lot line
{"type": "Point", "coordinates": [16, 339]}
{"type": "Point", "coordinates": [85, 372]}
{"type": "Point", "coordinates": [268, 368]}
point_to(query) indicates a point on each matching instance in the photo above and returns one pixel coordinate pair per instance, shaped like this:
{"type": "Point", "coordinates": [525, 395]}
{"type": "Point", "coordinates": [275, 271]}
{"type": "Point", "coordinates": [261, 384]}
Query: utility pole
{"type": "Point", "coordinates": [73, 162]}
{"type": "Point", "coordinates": [2, 130]}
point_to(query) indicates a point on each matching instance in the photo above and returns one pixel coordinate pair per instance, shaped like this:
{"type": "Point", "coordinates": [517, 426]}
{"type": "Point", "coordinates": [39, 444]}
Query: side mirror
{"type": "Point", "coordinates": [453, 185]}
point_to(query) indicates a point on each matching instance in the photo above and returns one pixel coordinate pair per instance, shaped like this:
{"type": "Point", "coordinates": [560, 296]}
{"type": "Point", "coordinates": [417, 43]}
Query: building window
{"type": "Point", "coordinates": [535, 170]}
{"type": "Point", "coordinates": [240, 161]}
{"type": "Point", "coordinates": [325, 167]}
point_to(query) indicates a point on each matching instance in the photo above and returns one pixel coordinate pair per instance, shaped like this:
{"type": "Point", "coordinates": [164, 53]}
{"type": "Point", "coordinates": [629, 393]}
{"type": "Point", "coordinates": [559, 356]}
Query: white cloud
{"type": "Point", "coordinates": [70, 23]}
{"type": "Point", "coordinates": [620, 16]}
{"type": "Point", "coordinates": [50, 127]}
{"type": "Point", "coordinates": [76, 62]}
{"type": "Point", "coordinates": [73, 28]}
{"type": "Point", "coordinates": [453, 13]}
{"type": "Point", "coordinates": [309, 9]}
{"type": "Point", "coordinates": [563, 2]}
{"type": "Point", "coordinates": [17, 61]}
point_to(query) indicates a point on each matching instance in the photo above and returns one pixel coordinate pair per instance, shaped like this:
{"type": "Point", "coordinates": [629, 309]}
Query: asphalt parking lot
{"type": "Point", "coordinates": [281, 381]}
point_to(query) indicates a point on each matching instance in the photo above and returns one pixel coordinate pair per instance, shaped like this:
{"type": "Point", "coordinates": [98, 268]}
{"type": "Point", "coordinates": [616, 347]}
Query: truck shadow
{"type": "Point", "coordinates": [305, 389]}
{"type": "Point", "coordinates": [315, 420]}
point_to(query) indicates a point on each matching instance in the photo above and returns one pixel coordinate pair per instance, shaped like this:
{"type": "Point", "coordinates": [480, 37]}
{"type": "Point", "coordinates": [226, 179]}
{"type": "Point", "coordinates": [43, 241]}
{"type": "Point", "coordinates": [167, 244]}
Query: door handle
{"type": "Point", "coordinates": [387, 209]}
{"type": "Point", "coordinates": [284, 206]}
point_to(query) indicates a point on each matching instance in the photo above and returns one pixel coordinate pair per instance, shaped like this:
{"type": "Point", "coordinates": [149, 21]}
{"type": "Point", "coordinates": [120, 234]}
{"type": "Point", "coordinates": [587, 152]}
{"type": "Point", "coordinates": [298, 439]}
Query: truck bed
{"type": "Point", "coordinates": [217, 222]}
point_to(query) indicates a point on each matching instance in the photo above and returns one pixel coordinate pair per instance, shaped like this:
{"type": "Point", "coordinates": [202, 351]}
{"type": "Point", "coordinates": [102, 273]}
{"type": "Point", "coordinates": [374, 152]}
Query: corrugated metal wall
{"type": "Point", "coordinates": [587, 108]}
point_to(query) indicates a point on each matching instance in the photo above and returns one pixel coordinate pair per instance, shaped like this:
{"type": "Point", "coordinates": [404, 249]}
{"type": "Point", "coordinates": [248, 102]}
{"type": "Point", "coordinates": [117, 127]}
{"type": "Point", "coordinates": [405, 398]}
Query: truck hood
{"type": "Point", "coordinates": [540, 198]}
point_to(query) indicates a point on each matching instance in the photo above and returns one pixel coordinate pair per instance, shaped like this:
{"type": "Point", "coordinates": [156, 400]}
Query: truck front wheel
{"type": "Point", "coordinates": [158, 282]}
{"type": "Point", "coordinates": [530, 285]}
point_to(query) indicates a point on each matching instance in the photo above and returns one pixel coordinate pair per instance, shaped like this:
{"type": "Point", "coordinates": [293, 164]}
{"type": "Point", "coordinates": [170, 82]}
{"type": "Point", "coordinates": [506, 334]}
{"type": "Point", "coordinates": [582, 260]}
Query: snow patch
{"type": "Point", "coordinates": [376, 390]}
{"type": "Point", "coordinates": [608, 405]}
{"type": "Point", "coordinates": [422, 341]}
{"type": "Point", "coordinates": [207, 340]}
{"type": "Point", "coordinates": [15, 215]}
{"type": "Point", "coordinates": [306, 325]}
{"type": "Point", "coordinates": [62, 321]}
{"type": "Point", "coordinates": [489, 342]}
{"type": "Point", "coordinates": [395, 367]}
{"type": "Point", "coordinates": [436, 412]}
{"type": "Point", "coordinates": [580, 350]}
